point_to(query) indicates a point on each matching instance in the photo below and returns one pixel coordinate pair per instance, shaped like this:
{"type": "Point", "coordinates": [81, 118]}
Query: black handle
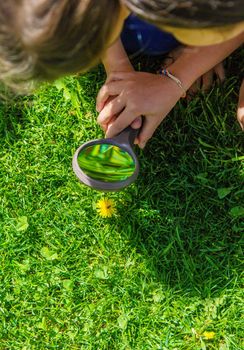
{"type": "Point", "coordinates": [126, 136]}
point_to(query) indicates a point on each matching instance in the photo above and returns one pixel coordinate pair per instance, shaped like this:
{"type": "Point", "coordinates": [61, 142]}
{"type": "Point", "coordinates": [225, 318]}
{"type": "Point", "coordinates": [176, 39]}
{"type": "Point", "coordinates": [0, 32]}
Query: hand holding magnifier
{"type": "Point", "coordinates": [108, 164]}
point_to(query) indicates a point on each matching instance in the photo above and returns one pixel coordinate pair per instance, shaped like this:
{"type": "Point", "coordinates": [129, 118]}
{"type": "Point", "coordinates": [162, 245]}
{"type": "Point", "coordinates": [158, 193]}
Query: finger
{"type": "Point", "coordinates": [111, 108]}
{"type": "Point", "coordinates": [125, 119]}
{"type": "Point", "coordinates": [137, 123]}
{"type": "Point", "coordinates": [110, 98]}
{"type": "Point", "coordinates": [220, 72]}
{"type": "Point", "coordinates": [207, 81]}
{"type": "Point", "coordinates": [193, 89]}
{"type": "Point", "coordinates": [240, 109]}
{"type": "Point", "coordinates": [112, 88]}
{"type": "Point", "coordinates": [106, 126]}
{"type": "Point", "coordinates": [148, 128]}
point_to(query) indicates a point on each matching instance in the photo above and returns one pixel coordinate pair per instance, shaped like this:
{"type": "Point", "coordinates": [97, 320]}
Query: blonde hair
{"type": "Point", "coordinates": [45, 39]}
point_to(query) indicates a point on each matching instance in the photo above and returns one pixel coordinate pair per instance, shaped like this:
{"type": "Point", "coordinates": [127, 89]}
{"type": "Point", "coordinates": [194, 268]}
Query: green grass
{"type": "Point", "coordinates": [157, 275]}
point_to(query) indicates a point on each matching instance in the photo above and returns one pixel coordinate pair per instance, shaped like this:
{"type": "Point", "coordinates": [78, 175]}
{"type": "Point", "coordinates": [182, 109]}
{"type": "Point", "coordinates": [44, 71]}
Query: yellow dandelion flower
{"type": "Point", "coordinates": [209, 335]}
{"type": "Point", "coordinates": [106, 207]}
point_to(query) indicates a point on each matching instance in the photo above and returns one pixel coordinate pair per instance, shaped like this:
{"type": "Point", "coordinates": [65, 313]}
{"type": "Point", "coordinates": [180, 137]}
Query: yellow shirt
{"type": "Point", "coordinates": [205, 36]}
{"type": "Point", "coordinates": [198, 36]}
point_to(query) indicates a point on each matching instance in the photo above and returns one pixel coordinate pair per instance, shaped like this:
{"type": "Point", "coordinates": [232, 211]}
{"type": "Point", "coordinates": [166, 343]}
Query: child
{"type": "Point", "coordinates": [136, 93]}
{"type": "Point", "coordinates": [44, 39]}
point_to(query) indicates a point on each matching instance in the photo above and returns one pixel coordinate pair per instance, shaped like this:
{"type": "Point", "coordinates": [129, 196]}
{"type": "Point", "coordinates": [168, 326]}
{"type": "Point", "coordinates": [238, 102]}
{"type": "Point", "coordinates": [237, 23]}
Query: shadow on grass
{"type": "Point", "coordinates": [187, 218]}
{"type": "Point", "coordinates": [187, 221]}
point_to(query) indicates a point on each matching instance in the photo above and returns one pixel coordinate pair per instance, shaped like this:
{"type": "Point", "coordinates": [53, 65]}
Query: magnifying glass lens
{"type": "Point", "coordinates": [106, 162]}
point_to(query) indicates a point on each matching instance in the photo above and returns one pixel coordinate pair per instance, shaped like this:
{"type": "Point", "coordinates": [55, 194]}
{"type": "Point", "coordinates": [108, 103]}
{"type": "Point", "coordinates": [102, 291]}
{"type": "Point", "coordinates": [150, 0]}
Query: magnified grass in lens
{"type": "Point", "coordinates": [106, 162]}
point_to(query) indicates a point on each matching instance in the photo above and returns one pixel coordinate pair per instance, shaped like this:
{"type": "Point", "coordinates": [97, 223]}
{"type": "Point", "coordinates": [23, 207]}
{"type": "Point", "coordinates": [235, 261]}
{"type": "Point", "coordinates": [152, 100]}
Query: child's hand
{"type": "Point", "coordinates": [136, 124]}
{"type": "Point", "coordinates": [100, 103]}
{"type": "Point", "coordinates": [240, 109]}
{"type": "Point", "coordinates": [206, 81]}
{"type": "Point", "coordinates": [136, 94]}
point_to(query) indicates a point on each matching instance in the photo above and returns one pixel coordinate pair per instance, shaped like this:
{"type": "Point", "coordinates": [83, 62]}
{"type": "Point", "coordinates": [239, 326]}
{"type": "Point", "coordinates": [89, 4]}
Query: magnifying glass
{"type": "Point", "coordinates": [108, 164]}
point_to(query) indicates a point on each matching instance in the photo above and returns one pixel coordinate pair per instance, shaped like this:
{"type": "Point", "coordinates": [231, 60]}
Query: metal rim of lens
{"type": "Point", "coordinates": [100, 185]}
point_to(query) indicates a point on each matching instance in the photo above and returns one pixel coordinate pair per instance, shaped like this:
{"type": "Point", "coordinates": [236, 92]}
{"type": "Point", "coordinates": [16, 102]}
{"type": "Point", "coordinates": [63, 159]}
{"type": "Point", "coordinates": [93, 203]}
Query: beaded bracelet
{"type": "Point", "coordinates": [176, 80]}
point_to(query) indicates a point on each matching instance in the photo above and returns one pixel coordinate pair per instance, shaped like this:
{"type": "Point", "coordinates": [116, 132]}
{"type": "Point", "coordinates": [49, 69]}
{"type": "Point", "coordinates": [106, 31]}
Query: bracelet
{"type": "Point", "coordinates": [176, 80]}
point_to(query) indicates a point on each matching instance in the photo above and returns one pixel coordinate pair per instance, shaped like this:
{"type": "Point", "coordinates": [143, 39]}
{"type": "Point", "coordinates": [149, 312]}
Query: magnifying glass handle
{"type": "Point", "coordinates": [126, 136]}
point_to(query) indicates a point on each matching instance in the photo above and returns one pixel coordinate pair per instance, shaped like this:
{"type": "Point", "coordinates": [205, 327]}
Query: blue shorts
{"type": "Point", "coordinates": [140, 37]}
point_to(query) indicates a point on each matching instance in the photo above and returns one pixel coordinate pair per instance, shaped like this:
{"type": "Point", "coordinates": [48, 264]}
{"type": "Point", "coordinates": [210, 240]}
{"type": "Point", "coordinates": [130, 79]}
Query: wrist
{"type": "Point", "coordinates": [119, 68]}
{"type": "Point", "coordinates": [188, 67]}
{"type": "Point", "coordinates": [174, 92]}
{"type": "Point", "coordinates": [187, 78]}
{"type": "Point", "coordinates": [165, 72]}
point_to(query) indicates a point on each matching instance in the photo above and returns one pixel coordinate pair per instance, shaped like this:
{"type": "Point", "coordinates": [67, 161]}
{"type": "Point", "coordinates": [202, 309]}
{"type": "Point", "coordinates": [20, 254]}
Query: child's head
{"type": "Point", "coordinates": [45, 39]}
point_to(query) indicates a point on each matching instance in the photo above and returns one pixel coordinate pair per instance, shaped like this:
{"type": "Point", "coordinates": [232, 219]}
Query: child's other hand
{"type": "Point", "coordinates": [136, 94]}
{"type": "Point", "coordinates": [206, 81]}
{"type": "Point", "coordinates": [240, 109]}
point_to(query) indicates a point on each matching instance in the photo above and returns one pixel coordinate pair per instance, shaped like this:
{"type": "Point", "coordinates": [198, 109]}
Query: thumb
{"type": "Point", "coordinates": [240, 108]}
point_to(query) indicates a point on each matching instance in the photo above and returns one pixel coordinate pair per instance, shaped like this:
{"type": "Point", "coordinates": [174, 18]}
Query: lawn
{"type": "Point", "coordinates": [164, 272]}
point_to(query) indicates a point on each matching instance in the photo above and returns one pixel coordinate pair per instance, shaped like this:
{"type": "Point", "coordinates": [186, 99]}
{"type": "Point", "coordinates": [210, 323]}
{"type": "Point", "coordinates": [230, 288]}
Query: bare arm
{"type": "Point", "coordinates": [153, 96]}
{"type": "Point", "coordinates": [116, 59]}
{"type": "Point", "coordinates": [195, 61]}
